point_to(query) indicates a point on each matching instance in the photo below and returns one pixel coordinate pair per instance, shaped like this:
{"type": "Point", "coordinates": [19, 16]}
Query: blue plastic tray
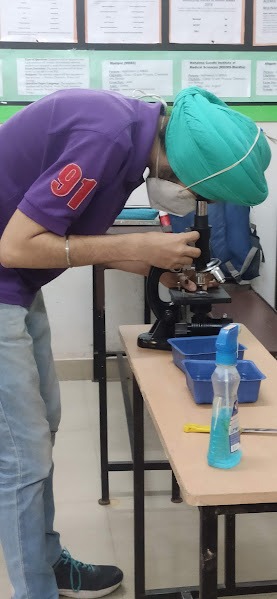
{"type": "Point", "coordinates": [198, 374]}
{"type": "Point", "coordinates": [196, 348]}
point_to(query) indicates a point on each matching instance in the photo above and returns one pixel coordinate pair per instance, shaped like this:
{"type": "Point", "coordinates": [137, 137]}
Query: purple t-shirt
{"type": "Point", "coordinates": [70, 162]}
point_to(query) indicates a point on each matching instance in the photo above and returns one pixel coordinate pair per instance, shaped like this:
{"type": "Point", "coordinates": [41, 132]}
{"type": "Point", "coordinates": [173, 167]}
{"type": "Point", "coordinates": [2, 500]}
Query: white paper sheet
{"type": "Point", "coordinates": [123, 21]}
{"type": "Point", "coordinates": [41, 76]}
{"type": "Point", "coordinates": [265, 22]}
{"type": "Point", "coordinates": [38, 20]}
{"type": "Point", "coordinates": [224, 78]}
{"type": "Point", "coordinates": [266, 78]}
{"type": "Point", "coordinates": [203, 22]}
{"type": "Point", "coordinates": [151, 76]}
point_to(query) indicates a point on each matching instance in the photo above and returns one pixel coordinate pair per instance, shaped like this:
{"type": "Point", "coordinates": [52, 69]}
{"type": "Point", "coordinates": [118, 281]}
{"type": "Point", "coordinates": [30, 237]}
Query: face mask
{"type": "Point", "coordinates": [169, 197]}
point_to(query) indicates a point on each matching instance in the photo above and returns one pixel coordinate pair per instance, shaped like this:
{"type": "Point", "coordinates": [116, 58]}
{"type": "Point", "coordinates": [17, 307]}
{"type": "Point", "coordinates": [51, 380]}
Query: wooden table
{"type": "Point", "coordinates": [246, 306]}
{"type": "Point", "coordinates": [250, 487]}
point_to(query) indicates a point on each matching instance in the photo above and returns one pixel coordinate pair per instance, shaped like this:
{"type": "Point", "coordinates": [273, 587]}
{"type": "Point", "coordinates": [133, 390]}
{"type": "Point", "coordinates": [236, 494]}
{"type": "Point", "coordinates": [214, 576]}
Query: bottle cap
{"type": "Point", "coordinates": [227, 345]}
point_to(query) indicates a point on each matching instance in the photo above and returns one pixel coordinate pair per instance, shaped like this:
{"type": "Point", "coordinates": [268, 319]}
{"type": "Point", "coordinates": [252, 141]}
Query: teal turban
{"type": "Point", "coordinates": [204, 136]}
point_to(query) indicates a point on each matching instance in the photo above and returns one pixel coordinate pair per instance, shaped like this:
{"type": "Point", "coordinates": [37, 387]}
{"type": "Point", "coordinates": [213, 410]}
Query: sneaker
{"type": "Point", "coordinates": [84, 581]}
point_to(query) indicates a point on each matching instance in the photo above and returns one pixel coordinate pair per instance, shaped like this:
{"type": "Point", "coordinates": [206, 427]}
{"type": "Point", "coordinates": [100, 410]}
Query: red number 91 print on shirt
{"type": "Point", "coordinates": [68, 179]}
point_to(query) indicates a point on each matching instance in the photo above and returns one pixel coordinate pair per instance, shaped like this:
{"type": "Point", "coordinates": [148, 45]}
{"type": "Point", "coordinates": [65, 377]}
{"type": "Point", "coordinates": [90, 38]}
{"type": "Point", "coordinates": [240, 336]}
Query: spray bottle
{"type": "Point", "coordinates": [224, 448]}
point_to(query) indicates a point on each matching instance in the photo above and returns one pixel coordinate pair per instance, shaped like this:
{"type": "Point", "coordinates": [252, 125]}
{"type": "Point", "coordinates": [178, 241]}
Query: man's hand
{"type": "Point", "coordinates": [168, 250]}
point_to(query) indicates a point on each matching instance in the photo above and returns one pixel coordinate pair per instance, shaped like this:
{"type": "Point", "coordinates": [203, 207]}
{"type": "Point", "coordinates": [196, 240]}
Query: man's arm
{"type": "Point", "coordinates": [26, 244]}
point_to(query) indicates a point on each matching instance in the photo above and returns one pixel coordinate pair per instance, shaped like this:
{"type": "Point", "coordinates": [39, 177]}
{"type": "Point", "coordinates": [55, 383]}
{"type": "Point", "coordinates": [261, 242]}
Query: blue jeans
{"type": "Point", "coordinates": [29, 419]}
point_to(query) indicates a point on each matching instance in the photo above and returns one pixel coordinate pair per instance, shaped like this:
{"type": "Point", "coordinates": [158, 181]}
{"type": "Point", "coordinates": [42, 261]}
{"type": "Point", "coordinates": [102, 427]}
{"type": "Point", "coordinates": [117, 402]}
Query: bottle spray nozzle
{"type": "Point", "coordinates": [227, 345]}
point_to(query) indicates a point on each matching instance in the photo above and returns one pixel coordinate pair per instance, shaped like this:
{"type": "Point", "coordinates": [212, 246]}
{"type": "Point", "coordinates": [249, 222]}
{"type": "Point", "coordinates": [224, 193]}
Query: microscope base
{"type": "Point", "coordinates": [171, 325]}
{"type": "Point", "coordinates": [159, 333]}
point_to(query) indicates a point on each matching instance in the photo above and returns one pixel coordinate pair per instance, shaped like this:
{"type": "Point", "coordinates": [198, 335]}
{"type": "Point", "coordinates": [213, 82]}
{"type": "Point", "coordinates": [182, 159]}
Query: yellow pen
{"type": "Point", "coordinates": [191, 427]}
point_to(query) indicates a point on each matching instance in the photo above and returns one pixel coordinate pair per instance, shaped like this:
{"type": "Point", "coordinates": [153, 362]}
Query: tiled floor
{"type": "Point", "coordinates": [105, 534]}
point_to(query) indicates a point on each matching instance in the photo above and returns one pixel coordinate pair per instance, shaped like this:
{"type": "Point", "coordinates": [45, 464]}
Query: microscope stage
{"type": "Point", "coordinates": [213, 296]}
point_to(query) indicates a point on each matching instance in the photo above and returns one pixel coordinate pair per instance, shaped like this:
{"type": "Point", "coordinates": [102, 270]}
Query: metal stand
{"type": "Point", "coordinates": [100, 356]}
{"type": "Point", "coordinates": [208, 587]}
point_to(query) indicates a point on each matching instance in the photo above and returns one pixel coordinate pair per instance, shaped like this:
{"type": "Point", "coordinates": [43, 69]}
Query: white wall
{"type": "Point", "coordinates": [69, 298]}
{"type": "Point", "coordinates": [69, 304]}
{"type": "Point", "coordinates": [265, 217]}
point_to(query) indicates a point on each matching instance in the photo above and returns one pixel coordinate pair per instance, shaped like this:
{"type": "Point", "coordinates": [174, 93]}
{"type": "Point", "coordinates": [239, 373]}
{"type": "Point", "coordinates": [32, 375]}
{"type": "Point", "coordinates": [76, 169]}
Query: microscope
{"type": "Point", "coordinates": [187, 313]}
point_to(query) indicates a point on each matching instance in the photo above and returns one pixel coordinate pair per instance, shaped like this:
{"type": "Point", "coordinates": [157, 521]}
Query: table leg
{"type": "Point", "coordinates": [175, 490]}
{"type": "Point", "coordinates": [139, 526]}
{"type": "Point", "coordinates": [208, 553]}
{"type": "Point", "coordinates": [100, 374]}
{"type": "Point", "coordinates": [230, 552]}
{"type": "Point", "coordinates": [147, 311]}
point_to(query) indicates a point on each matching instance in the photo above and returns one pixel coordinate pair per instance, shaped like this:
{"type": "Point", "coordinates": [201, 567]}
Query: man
{"type": "Point", "coordinates": [68, 164]}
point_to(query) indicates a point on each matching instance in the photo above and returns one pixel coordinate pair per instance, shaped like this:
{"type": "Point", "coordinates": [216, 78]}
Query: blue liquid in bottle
{"type": "Point", "coordinates": [224, 448]}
